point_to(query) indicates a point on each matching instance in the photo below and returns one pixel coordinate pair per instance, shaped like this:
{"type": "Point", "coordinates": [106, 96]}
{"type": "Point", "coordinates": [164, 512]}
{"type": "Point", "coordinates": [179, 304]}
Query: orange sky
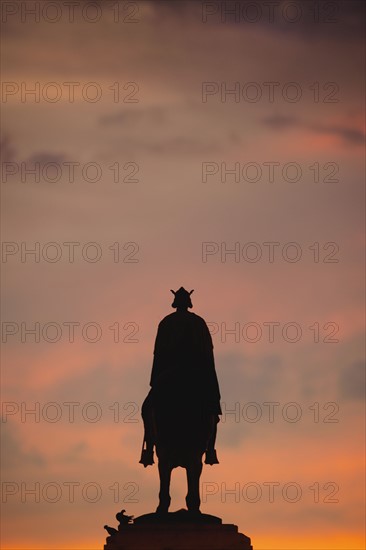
{"type": "Point", "coordinates": [79, 451]}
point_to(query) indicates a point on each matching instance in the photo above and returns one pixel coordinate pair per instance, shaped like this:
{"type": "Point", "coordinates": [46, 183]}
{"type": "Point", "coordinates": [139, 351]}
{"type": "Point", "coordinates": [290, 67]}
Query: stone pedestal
{"type": "Point", "coordinates": [178, 531]}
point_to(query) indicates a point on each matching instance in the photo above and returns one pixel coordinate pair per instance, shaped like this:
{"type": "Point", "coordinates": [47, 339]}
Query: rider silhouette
{"type": "Point", "coordinates": [183, 374]}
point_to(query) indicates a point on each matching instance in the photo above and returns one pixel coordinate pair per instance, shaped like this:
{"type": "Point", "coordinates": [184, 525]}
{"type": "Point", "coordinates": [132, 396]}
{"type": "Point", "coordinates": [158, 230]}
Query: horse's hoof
{"type": "Point", "coordinates": [147, 457]}
{"type": "Point", "coordinates": [211, 457]}
{"type": "Point", "coordinates": [193, 505]}
{"type": "Point", "coordinates": [194, 511]}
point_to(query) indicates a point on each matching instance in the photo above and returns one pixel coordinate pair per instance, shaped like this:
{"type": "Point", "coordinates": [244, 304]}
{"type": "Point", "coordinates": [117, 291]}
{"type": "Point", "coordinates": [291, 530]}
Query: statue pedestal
{"type": "Point", "coordinates": [178, 531]}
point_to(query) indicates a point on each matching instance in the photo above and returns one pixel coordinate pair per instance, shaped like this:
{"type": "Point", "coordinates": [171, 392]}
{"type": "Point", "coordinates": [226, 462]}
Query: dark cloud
{"type": "Point", "coordinates": [350, 135]}
{"type": "Point", "coordinates": [7, 149]}
{"type": "Point", "coordinates": [247, 379]}
{"type": "Point", "coordinates": [101, 384]}
{"type": "Point", "coordinates": [179, 145]}
{"type": "Point", "coordinates": [352, 382]}
{"type": "Point", "coordinates": [152, 115]}
{"type": "Point", "coordinates": [180, 129]}
{"type": "Point", "coordinates": [280, 122]}
{"type": "Point", "coordinates": [13, 456]}
{"type": "Point", "coordinates": [9, 153]}
{"type": "Point", "coordinates": [43, 157]}
{"type": "Point", "coordinates": [76, 453]}
{"type": "Point", "coordinates": [242, 381]}
{"type": "Point", "coordinates": [338, 20]}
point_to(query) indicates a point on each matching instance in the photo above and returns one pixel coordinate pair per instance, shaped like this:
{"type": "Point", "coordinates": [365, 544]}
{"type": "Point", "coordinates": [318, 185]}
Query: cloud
{"type": "Point", "coordinates": [101, 384]}
{"type": "Point", "coordinates": [7, 150]}
{"type": "Point", "coordinates": [353, 136]}
{"type": "Point", "coordinates": [352, 381]}
{"type": "Point", "coordinates": [249, 379]}
{"type": "Point", "coordinates": [245, 380]}
{"type": "Point", "coordinates": [152, 115]}
{"type": "Point", "coordinates": [174, 145]}
{"type": "Point", "coordinates": [13, 456]}
{"type": "Point", "coordinates": [280, 122]}
{"type": "Point", "coordinates": [331, 21]}
{"type": "Point", "coordinates": [44, 157]}
{"type": "Point", "coordinates": [179, 129]}
{"type": "Point", "coordinates": [349, 134]}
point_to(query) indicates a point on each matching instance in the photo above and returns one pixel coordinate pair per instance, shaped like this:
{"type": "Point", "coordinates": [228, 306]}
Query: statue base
{"type": "Point", "coordinates": [181, 530]}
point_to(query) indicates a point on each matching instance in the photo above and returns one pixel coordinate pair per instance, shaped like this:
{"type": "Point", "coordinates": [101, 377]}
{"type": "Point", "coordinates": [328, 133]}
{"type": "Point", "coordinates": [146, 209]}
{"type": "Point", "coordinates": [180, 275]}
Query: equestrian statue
{"type": "Point", "coordinates": [182, 409]}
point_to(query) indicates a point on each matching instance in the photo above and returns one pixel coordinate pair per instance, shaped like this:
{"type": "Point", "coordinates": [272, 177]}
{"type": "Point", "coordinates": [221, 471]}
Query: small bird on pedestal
{"type": "Point", "coordinates": [123, 519]}
{"type": "Point", "coordinates": [110, 530]}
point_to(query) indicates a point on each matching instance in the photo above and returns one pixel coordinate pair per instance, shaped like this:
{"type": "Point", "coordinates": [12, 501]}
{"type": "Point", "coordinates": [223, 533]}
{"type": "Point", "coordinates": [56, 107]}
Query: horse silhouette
{"type": "Point", "coordinates": [181, 410]}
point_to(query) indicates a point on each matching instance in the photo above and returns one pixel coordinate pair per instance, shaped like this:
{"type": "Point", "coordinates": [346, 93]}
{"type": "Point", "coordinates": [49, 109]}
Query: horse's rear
{"type": "Point", "coordinates": [183, 432]}
{"type": "Point", "coordinates": [179, 423]}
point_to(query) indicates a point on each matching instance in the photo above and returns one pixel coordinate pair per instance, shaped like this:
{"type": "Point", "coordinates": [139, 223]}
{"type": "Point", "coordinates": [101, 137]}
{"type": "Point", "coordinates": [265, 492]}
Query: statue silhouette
{"type": "Point", "coordinates": [182, 409]}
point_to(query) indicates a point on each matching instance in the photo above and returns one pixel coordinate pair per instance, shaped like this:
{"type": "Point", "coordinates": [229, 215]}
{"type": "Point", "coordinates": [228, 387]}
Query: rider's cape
{"type": "Point", "coordinates": [184, 363]}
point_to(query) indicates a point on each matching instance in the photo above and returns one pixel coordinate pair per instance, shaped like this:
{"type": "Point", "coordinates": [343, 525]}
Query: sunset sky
{"type": "Point", "coordinates": [170, 144]}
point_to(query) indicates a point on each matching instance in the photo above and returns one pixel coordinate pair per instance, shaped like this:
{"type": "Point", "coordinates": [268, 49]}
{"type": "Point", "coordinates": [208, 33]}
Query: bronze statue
{"type": "Point", "coordinates": [182, 409]}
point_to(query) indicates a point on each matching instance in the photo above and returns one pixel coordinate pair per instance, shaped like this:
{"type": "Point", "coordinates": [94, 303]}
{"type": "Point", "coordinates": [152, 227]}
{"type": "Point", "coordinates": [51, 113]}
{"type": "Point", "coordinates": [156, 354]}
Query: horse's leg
{"type": "Point", "coordinates": [165, 471]}
{"type": "Point", "coordinates": [194, 470]}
